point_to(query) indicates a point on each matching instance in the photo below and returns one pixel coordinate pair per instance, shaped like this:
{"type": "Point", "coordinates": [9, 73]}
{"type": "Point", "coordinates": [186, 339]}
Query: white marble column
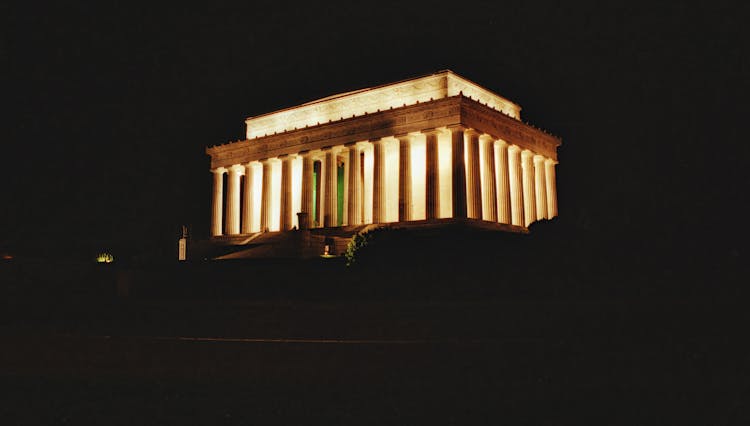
{"type": "Point", "coordinates": [473, 181]}
{"type": "Point", "coordinates": [233, 199]}
{"type": "Point", "coordinates": [540, 183]}
{"type": "Point", "coordinates": [367, 180]}
{"type": "Point", "coordinates": [216, 201]}
{"type": "Point", "coordinates": [489, 187]}
{"type": "Point", "coordinates": [331, 192]}
{"type": "Point", "coordinates": [307, 189]}
{"type": "Point", "coordinates": [285, 211]}
{"type": "Point", "coordinates": [516, 185]}
{"type": "Point", "coordinates": [551, 188]}
{"type": "Point", "coordinates": [458, 172]}
{"type": "Point", "coordinates": [321, 195]}
{"type": "Point", "coordinates": [266, 193]}
{"type": "Point", "coordinates": [529, 193]}
{"type": "Point", "coordinates": [404, 178]}
{"type": "Point", "coordinates": [432, 175]}
{"type": "Point", "coordinates": [354, 198]}
{"type": "Point", "coordinates": [378, 184]}
{"type": "Point", "coordinates": [247, 202]}
{"type": "Point", "coordinates": [503, 182]}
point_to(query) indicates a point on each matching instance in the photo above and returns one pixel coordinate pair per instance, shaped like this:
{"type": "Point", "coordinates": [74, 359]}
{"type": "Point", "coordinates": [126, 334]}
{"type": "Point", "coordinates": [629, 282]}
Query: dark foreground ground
{"type": "Point", "coordinates": [518, 362]}
{"type": "Point", "coordinates": [521, 341]}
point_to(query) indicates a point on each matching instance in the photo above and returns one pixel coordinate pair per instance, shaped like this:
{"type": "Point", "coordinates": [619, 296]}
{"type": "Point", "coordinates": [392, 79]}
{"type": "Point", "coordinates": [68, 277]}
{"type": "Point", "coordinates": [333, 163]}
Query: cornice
{"type": "Point", "coordinates": [407, 119]}
{"type": "Point", "coordinates": [453, 111]}
{"type": "Point", "coordinates": [487, 120]}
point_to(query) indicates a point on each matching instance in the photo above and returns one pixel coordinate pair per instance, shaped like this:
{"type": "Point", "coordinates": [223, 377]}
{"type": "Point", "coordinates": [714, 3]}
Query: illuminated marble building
{"type": "Point", "coordinates": [427, 150]}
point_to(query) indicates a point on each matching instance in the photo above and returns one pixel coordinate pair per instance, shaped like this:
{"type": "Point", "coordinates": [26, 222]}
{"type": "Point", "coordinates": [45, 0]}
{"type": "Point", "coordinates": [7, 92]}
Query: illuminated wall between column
{"type": "Point", "coordinates": [257, 195]}
{"type": "Point", "coordinates": [446, 174]}
{"type": "Point", "coordinates": [274, 222]}
{"type": "Point", "coordinates": [390, 147]}
{"type": "Point", "coordinates": [367, 190]}
{"type": "Point", "coordinates": [482, 176]}
{"type": "Point", "coordinates": [296, 190]}
{"type": "Point", "coordinates": [418, 169]}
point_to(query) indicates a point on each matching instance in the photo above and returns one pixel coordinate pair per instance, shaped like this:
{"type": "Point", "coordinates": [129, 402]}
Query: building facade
{"type": "Point", "coordinates": [433, 148]}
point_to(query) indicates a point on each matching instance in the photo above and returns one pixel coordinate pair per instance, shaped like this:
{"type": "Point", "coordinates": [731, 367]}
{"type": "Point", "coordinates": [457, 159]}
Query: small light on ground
{"type": "Point", "coordinates": [104, 258]}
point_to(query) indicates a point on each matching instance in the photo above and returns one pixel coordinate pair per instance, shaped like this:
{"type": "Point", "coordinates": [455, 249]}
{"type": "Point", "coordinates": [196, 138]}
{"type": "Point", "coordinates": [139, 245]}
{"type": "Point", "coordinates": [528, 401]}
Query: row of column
{"type": "Point", "coordinates": [490, 180]}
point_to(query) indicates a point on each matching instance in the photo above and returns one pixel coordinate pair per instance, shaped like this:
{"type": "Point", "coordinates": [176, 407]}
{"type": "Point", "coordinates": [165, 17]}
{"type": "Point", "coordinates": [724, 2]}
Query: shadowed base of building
{"type": "Point", "coordinates": [312, 243]}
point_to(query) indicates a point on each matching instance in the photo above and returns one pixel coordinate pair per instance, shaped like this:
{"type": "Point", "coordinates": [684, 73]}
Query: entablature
{"type": "Point", "coordinates": [456, 110]}
{"type": "Point", "coordinates": [411, 118]}
{"type": "Point", "coordinates": [486, 120]}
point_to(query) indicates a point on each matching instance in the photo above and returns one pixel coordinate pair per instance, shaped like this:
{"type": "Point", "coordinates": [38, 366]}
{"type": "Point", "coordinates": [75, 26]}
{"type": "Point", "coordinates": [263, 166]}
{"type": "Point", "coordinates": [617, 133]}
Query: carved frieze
{"type": "Point", "coordinates": [412, 118]}
{"type": "Point", "coordinates": [498, 125]}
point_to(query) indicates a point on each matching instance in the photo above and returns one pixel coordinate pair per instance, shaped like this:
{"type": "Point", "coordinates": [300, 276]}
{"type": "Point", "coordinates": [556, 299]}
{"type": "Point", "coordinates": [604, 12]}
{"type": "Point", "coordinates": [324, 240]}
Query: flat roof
{"type": "Point", "coordinates": [441, 84]}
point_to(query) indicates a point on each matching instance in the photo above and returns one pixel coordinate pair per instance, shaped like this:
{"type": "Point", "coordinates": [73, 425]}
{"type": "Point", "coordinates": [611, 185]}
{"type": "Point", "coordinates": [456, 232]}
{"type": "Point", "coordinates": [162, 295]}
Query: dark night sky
{"type": "Point", "coordinates": [108, 110]}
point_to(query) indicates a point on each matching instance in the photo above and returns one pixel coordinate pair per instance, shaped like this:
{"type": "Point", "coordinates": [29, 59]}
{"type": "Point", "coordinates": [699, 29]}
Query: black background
{"type": "Point", "coordinates": [627, 309]}
{"type": "Point", "coordinates": [109, 108]}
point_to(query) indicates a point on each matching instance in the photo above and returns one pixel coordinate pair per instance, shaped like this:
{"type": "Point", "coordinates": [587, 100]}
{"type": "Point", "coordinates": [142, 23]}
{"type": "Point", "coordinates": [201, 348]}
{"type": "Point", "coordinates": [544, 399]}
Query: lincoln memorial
{"type": "Point", "coordinates": [428, 150]}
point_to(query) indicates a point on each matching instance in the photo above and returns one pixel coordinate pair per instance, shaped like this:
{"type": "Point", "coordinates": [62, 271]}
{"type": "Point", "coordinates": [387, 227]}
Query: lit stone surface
{"type": "Point", "coordinates": [458, 169]}
{"type": "Point", "coordinates": [378, 192]}
{"type": "Point", "coordinates": [233, 199]}
{"type": "Point", "coordinates": [307, 190]}
{"type": "Point", "coordinates": [265, 206]}
{"type": "Point", "coordinates": [354, 189]}
{"type": "Point", "coordinates": [516, 185]}
{"type": "Point", "coordinates": [540, 183]}
{"type": "Point", "coordinates": [380, 98]}
{"type": "Point", "coordinates": [432, 178]}
{"type": "Point", "coordinates": [430, 148]}
{"type": "Point", "coordinates": [489, 190]}
{"type": "Point", "coordinates": [404, 179]}
{"type": "Point", "coordinates": [551, 188]}
{"type": "Point", "coordinates": [529, 198]}
{"type": "Point", "coordinates": [216, 211]}
{"type": "Point", "coordinates": [286, 193]}
{"type": "Point", "coordinates": [330, 217]}
{"type": "Point", "coordinates": [502, 178]}
{"type": "Point", "coordinates": [473, 182]}
{"type": "Point", "coordinates": [247, 200]}
{"type": "Point", "coordinates": [367, 194]}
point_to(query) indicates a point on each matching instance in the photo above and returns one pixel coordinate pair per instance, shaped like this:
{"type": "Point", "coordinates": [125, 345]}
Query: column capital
{"type": "Point", "coordinates": [549, 161]}
{"type": "Point", "coordinates": [486, 137]}
{"type": "Point", "coordinates": [219, 170]}
{"type": "Point", "coordinates": [315, 154]}
{"type": "Point", "coordinates": [456, 128]}
{"type": "Point", "coordinates": [472, 132]}
{"type": "Point", "coordinates": [350, 144]}
{"type": "Point", "coordinates": [334, 149]}
{"type": "Point", "coordinates": [404, 136]}
{"type": "Point", "coordinates": [237, 168]}
{"type": "Point", "coordinates": [514, 148]}
{"type": "Point", "coordinates": [538, 158]}
{"type": "Point", "coordinates": [527, 153]}
{"type": "Point", "coordinates": [431, 131]}
{"type": "Point", "coordinates": [502, 142]}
